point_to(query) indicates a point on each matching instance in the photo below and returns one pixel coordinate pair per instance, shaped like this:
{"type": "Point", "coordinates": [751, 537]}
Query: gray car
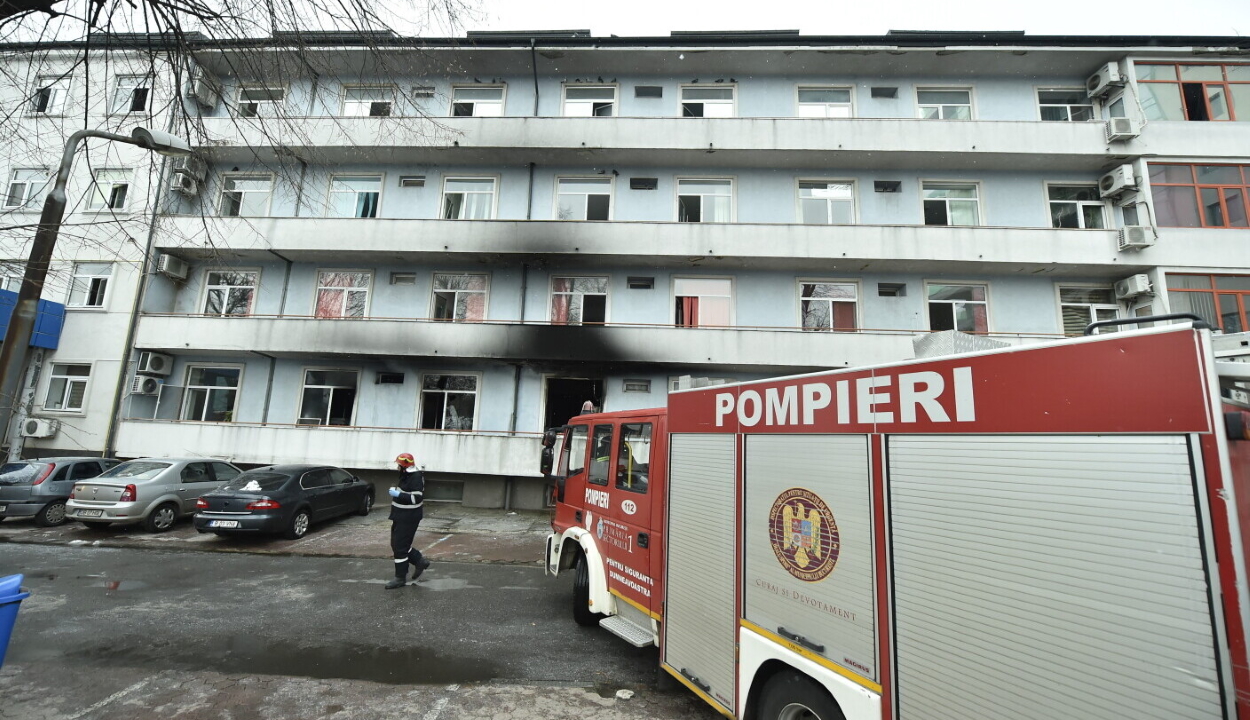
{"type": "Point", "coordinates": [152, 491]}
{"type": "Point", "coordinates": [39, 488]}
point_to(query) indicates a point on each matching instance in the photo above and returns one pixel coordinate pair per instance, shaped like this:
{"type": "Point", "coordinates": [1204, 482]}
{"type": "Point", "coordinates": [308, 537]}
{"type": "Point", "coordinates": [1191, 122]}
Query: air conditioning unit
{"type": "Point", "coordinates": [173, 267]}
{"type": "Point", "coordinates": [145, 385]}
{"type": "Point", "coordinates": [190, 165]}
{"type": "Point", "coordinates": [1121, 129]}
{"type": "Point", "coordinates": [186, 185]}
{"type": "Point", "coordinates": [203, 88]}
{"type": "Point", "coordinates": [1136, 237]}
{"type": "Point", "coordinates": [152, 363]}
{"type": "Point", "coordinates": [1132, 286]}
{"type": "Point", "coordinates": [40, 428]}
{"type": "Point", "coordinates": [1101, 82]}
{"type": "Point", "coordinates": [1117, 182]}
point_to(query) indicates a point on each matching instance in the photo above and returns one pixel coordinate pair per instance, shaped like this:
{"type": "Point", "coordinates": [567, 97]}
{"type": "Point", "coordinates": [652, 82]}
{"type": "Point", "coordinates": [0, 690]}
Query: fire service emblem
{"type": "Point", "coordinates": [803, 534]}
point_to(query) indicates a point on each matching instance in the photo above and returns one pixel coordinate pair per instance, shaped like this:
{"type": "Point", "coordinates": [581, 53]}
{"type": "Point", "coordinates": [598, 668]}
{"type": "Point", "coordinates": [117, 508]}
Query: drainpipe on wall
{"type": "Point", "coordinates": [286, 282]}
{"type": "Point", "coordinates": [534, 72]}
{"type": "Point", "coordinates": [273, 361]}
{"type": "Point", "coordinates": [299, 190]}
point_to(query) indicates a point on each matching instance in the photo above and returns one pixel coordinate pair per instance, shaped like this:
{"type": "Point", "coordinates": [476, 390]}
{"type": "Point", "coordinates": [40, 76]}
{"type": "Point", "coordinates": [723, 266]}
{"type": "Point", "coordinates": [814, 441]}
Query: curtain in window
{"type": "Point", "coordinates": [688, 311]}
{"type": "Point", "coordinates": [560, 309]}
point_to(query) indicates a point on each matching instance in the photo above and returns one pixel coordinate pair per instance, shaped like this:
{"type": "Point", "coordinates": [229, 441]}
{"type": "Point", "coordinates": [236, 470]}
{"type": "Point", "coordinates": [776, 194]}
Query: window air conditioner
{"type": "Point", "coordinates": [203, 88]}
{"type": "Point", "coordinates": [1121, 129]}
{"type": "Point", "coordinates": [190, 165]}
{"type": "Point", "coordinates": [1136, 237]}
{"type": "Point", "coordinates": [186, 185]}
{"type": "Point", "coordinates": [1101, 82]}
{"type": "Point", "coordinates": [1132, 286]}
{"type": "Point", "coordinates": [173, 267]}
{"type": "Point", "coordinates": [40, 428]}
{"type": "Point", "coordinates": [1117, 182]}
{"type": "Point", "coordinates": [152, 363]}
{"type": "Point", "coordinates": [145, 385]}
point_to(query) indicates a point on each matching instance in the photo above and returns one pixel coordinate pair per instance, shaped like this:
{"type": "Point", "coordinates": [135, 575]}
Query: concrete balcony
{"type": "Point", "coordinates": [364, 448]}
{"type": "Point", "coordinates": [889, 143]}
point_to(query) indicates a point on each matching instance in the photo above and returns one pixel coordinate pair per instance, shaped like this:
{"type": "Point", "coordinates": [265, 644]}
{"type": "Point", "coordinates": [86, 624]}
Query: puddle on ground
{"type": "Point", "coordinates": [259, 656]}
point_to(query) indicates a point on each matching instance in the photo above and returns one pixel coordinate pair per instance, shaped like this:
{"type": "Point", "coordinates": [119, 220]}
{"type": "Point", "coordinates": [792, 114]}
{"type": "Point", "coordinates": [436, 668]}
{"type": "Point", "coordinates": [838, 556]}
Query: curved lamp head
{"type": "Point", "coordinates": [161, 142]}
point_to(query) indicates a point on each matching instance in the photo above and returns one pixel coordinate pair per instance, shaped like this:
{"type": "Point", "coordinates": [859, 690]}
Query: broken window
{"type": "Point", "coordinates": [583, 198]}
{"type": "Point", "coordinates": [590, 101]}
{"type": "Point", "coordinates": [700, 101]}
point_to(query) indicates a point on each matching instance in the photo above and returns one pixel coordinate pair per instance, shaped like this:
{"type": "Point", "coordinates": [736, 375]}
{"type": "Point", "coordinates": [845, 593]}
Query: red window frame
{"type": "Point", "coordinates": [1242, 297]}
{"type": "Point", "coordinates": [1206, 96]}
{"type": "Point", "coordinates": [1199, 187]}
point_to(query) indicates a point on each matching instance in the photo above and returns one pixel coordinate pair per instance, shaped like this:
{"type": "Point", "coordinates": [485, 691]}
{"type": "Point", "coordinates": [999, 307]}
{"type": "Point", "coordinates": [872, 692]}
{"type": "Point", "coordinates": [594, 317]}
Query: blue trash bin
{"type": "Point", "coordinates": [11, 597]}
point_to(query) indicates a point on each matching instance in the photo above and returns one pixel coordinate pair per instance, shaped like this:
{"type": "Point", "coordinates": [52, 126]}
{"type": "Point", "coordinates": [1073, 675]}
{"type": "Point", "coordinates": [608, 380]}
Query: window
{"type": "Point", "coordinates": [260, 101]}
{"type": "Point", "coordinates": [477, 102]}
{"type": "Point", "coordinates": [49, 95]}
{"type": "Point", "coordinates": [600, 454]}
{"type": "Point", "coordinates": [354, 196]}
{"type": "Point", "coordinates": [468, 198]}
{"type": "Point", "coordinates": [448, 402]}
{"type": "Point", "coordinates": [826, 203]}
{"type": "Point", "coordinates": [246, 195]}
{"type": "Point", "coordinates": [210, 394]}
{"type": "Point", "coordinates": [944, 104]}
{"type": "Point", "coordinates": [1221, 300]}
{"type": "Point", "coordinates": [26, 189]}
{"type": "Point", "coordinates": [109, 191]}
{"type": "Point", "coordinates": [342, 294]}
{"type": "Point", "coordinates": [1076, 206]}
{"type": "Point", "coordinates": [11, 277]}
{"type": "Point", "coordinates": [1181, 91]}
{"type": "Point", "coordinates": [1200, 195]}
{"type": "Point", "coordinates": [224, 472]}
{"type": "Point", "coordinates": [460, 297]}
{"type": "Point", "coordinates": [702, 302]}
{"type": "Point", "coordinates": [707, 102]}
{"type": "Point", "coordinates": [704, 200]}
{"type": "Point", "coordinates": [583, 198]}
{"type": "Point", "coordinates": [1064, 105]}
{"type": "Point", "coordinates": [685, 382]}
{"type": "Point", "coordinates": [958, 307]}
{"type": "Point", "coordinates": [573, 454]}
{"type": "Point", "coordinates": [950, 203]}
{"type": "Point", "coordinates": [196, 472]}
{"type": "Point", "coordinates": [67, 389]}
{"type": "Point", "coordinates": [1080, 306]}
{"type": "Point", "coordinates": [328, 398]}
{"type": "Point", "coordinates": [229, 292]}
{"type": "Point", "coordinates": [577, 300]}
{"type": "Point", "coordinates": [824, 102]}
{"type": "Point", "coordinates": [89, 286]}
{"type": "Point", "coordinates": [589, 101]}
{"type": "Point", "coordinates": [828, 305]}
{"type": "Point", "coordinates": [633, 457]}
{"type": "Point", "coordinates": [130, 95]}
{"type": "Point", "coordinates": [368, 101]}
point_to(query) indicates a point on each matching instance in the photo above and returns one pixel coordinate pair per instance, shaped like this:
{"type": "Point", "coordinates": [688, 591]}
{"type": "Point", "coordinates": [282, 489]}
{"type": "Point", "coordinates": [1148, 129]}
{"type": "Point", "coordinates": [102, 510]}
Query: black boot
{"type": "Point", "coordinates": [396, 583]}
{"type": "Point", "coordinates": [419, 568]}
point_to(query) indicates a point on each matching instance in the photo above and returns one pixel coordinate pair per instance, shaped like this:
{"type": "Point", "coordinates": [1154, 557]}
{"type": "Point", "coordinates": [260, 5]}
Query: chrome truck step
{"type": "Point", "coordinates": [627, 631]}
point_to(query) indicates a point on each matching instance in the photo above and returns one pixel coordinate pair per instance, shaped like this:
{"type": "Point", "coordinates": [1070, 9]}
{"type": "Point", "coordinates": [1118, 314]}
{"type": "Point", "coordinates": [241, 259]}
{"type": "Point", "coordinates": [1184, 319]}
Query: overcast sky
{"type": "Point", "coordinates": [870, 17]}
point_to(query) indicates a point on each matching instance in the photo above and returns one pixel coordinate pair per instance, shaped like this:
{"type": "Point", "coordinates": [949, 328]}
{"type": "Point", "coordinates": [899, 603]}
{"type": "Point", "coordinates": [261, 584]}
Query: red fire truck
{"type": "Point", "coordinates": [1051, 531]}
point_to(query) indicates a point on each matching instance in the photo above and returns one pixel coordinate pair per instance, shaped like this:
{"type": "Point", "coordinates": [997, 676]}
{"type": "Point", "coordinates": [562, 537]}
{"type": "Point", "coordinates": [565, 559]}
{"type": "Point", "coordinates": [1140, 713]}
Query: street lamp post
{"type": "Point", "coordinates": [17, 336]}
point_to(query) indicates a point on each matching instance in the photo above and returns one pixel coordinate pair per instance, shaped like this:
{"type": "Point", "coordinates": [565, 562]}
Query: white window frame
{"type": "Point", "coordinates": [331, 192]}
{"type": "Point", "coordinates": [972, 101]}
{"type": "Point", "coordinates": [503, 100]}
{"type": "Point", "coordinates": [131, 83]}
{"type": "Point", "coordinates": [221, 195]}
{"type": "Point", "coordinates": [798, 199]}
{"type": "Point", "coordinates": [251, 307]}
{"type": "Point", "coordinates": [611, 185]}
{"type": "Point", "coordinates": [733, 197]}
{"type": "Point", "coordinates": [60, 86]}
{"type": "Point", "coordinates": [1095, 110]}
{"type": "Point", "coordinates": [1093, 308]}
{"type": "Point", "coordinates": [367, 289]}
{"type": "Point", "coordinates": [565, 102]}
{"type": "Point", "coordinates": [989, 319]}
{"type": "Point", "coordinates": [434, 290]}
{"type": "Point", "coordinates": [733, 100]}
{"type": "Point", "coordinates": [477, 400]}
{"type": "Point", "coordinates": [733, 295]}
{"type": "Point", "coordinates": [551, 296]}
{"type": "Point", "coordinates": [261, 105]}
{"type": "Point", "coordinates": [70, 381]}
{"type": "Point", "coordinates": [974, 183]}
{"type": "Point", "coordinates": [385, 91]}
{"type": "Point", "coordinates": [90, 280]}
{"type": "Point", "coordinates": [1106, 214]}
{"type": "Point", "coordinates": [303, 385]}
{"type": "Point", "coordinates": [675, 380]}
{"type": "Point", "coordinates": [32, 198]}
{"type": "Point", "coordinates": [11, 277]}
{"type": "Point", "coordinates": [494, 192]}
{"type": "Point", "coordinates": [857, 302]}
{"type": "Point", "coordinates": [209, 389]}
{"type": "Point", "coordinates": [99, 201]}
{"type": "Point", "coordinates": [799, 104]}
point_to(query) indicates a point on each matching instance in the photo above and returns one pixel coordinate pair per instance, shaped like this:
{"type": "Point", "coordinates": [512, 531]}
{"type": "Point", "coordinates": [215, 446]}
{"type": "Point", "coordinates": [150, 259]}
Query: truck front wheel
{"type": "Point", "coordinates": [791, 696]}
{"type": "Point", "coordinates": [581, 593]}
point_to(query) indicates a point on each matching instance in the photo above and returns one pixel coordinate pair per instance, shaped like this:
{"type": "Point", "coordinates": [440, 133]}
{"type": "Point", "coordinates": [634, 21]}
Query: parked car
{"type": "Point", "coordinates": [284, 499]}
{"type": "Point", "coordinates": [152, 491]}
{"type": "Point", "coordinates": [39, 488]}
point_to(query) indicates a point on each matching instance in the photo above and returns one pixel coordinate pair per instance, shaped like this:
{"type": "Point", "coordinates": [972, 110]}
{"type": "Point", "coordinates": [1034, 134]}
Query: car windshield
{"type": "Point", "coordinates": [256, 482]}
{"type": "Point", "coordinates": [135, 470]}
{"type": "Point", "coordinates": [20, 473]}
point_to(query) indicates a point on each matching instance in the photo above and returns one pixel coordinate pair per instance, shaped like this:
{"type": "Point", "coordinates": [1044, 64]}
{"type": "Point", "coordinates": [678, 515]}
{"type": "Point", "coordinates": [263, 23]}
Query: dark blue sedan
{"type": "Point", "coordinates": [282, 499]}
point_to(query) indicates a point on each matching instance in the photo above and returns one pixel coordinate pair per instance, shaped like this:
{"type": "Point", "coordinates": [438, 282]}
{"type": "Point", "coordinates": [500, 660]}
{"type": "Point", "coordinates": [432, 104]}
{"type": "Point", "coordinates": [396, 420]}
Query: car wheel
{"type": "Point", "coordinates": [791, 696]}
{"type": "Point", "coordinates": [299, 525]}
{"type": "Point", "coordinates": [162, 518]}
{"type": "Point", "coordinates": [95, 524]}
{"type": "Point", "coordinates": [582, 614]}
{"type": "Point", "coordinates": [366, 504]}
{"type": "Point", "coordinates": [52, 514]}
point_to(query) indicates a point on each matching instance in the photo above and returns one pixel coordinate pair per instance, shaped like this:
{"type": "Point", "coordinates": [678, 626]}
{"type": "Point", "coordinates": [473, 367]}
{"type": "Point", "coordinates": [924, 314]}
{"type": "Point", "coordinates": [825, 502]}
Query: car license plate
{"type": "Point", "coordinates": [90, 513]}
{"type": "Point", "coordinates": [223, 523]}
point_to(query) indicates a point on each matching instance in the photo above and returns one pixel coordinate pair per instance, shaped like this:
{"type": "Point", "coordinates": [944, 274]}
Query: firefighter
{"type": "Point", "coordinates": [406, 514]}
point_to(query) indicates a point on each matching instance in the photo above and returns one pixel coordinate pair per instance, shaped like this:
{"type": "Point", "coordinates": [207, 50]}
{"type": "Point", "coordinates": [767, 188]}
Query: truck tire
{"type": "Point", "coordinates": [789, 695]}
{"type": "Point", "coordinates": [582, 614]}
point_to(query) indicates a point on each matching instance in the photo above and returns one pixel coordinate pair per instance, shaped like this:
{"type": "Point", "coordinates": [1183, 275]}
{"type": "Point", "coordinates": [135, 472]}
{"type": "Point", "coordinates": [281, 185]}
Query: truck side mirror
{"type": "Point", "coordinates": [548, 455]}
{"type": "Point", "coordinates": [549, 437]}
